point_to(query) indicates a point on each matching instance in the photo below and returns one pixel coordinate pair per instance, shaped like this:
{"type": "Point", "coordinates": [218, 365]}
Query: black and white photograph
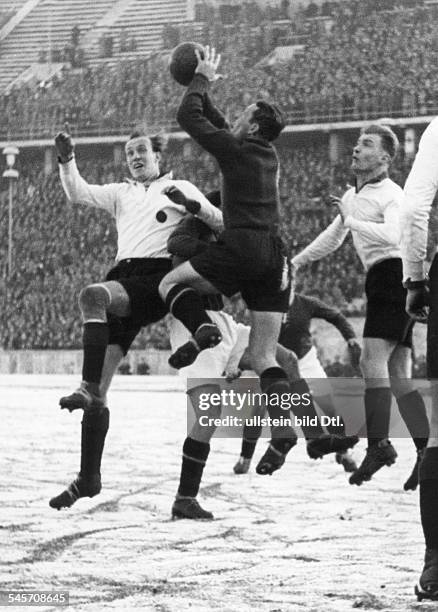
{"type": "Point", "coordinates": [219, 305]}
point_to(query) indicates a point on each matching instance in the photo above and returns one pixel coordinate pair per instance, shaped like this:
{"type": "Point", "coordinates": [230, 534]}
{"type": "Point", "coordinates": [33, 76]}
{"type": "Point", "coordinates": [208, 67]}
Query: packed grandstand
{"type": "Point", "coordinates": [330, 62]}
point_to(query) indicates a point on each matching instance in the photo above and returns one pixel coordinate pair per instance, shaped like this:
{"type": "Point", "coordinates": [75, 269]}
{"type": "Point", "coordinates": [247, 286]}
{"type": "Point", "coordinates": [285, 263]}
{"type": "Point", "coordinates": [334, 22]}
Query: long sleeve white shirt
{"type": "Point", "coordinates": [373, 220]}
{"type": "Point", "coordinates": [420, 189]}
{"type": "Point", "coordinates": [145, 216]}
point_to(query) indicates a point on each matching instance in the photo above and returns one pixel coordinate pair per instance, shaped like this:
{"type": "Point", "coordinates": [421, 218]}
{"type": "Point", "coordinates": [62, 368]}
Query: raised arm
{"type": "Point", "coordinates": [213, 114]}
{"type": "Point", "coordinates": [199, 117]}
{"type": "Point", "coordinates": [77, 190]}
{"type": "Point", "coordinates": [324, 244]}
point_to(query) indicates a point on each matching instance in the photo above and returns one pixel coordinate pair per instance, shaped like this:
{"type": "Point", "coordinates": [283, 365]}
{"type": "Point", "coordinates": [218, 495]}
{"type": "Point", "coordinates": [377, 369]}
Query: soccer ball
{"type": "Point", "coordinates": [183, 62]}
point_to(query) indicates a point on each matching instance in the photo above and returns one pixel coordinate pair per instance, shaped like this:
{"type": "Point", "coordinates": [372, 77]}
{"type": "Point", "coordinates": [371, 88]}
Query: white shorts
{"type": "Point", "coordinates": [313, 372]}
{"type": "Point", "coordinates": [310, 366]}
{"type": "Point", "coordinates": [212, 362]}
{"type": "Point", "coordinates": [239, 347]}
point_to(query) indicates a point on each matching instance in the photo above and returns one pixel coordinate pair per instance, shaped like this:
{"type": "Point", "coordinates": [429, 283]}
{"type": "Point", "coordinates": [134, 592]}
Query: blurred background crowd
{"type": "Point", "coordinates": [352, 60]}
{"type": "Point", "coordinates": [347, 60]}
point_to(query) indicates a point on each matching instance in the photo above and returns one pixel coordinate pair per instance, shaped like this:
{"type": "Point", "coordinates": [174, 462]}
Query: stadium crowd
{"type": "Point", "coordinates": [390, 69]}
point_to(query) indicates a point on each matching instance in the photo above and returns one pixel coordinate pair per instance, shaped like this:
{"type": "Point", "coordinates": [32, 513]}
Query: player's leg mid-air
{"type": "Point", "coordinates": [99, 358]}
{"type": "Point", "coordinates": [94, 428]}
{"type": "Point", "coordinates": [201, 380]}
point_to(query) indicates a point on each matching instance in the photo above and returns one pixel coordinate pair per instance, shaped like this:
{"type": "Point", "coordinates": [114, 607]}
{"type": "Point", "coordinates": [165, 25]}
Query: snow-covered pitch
{"type": "Point", "coordinates": [303, 539]}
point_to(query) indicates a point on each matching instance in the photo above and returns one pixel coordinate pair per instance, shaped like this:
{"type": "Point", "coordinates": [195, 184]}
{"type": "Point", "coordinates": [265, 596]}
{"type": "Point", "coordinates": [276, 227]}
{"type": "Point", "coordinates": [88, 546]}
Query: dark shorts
{"type": "Point", "coordinates": [386, 316]}
{"type": "Point", "coordinates": [432, 322]}
{"type": "Point", "coordinates": [140, 278]}
{"type": "Point", "coordinates": [252, 262]}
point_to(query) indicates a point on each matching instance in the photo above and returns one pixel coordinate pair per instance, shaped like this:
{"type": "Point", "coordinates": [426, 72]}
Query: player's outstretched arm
{"type": "Point", "coordinates": [328, 241]}
{"type": "Point", "coordinates": [334, 316]}
{"type": "Point", "coordinates": [213, 114]}
{"type": "Point", "coordinates": [195, 112]}
{"type": "Point", "coordinates": [77, 190]}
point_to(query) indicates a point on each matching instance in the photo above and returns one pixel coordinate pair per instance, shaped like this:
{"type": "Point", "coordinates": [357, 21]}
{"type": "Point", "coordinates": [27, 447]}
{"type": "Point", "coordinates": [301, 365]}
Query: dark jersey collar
{"type": "Point", "coordinates": [376, 179]}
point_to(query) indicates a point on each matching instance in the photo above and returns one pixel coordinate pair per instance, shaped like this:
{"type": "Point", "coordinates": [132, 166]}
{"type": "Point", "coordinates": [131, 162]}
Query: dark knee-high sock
{"type": "Point", "coordinates": [377, 413]}
{"type": "Point", "coordinates": [194, 458]}
{"type": "Point", "coordinates": [95, 425]}
{"type": "Point", "coordinates": [187, 306]}
{"type": "Point", "coordinates": [274, 382]}
{"type": "Point", "coordinates": [429, 496]}
{"type": "Point", "coordinates": [250, 436]}
{"type": "Point", "coordinates": [413, 413]}
{"type": "Point", "coordinates": [95, 341]}
{"type": "Point", "coordinates": [306, 409]}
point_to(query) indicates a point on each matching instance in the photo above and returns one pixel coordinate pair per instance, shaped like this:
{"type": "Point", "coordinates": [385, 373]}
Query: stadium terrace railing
{"type": "Point", "coordinates": [42, 131]}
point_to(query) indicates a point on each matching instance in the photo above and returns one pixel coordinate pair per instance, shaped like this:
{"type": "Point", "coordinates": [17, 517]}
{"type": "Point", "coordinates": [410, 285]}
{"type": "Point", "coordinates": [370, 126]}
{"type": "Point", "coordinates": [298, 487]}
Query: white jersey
{"type": "Point", "coordinates": [145, 216]}
{"type": "Point", "coordinates": [213, 362]}
{"type": "Point", "coordinates": [420, 189]}
{"type": "Point", "coordinates": [373, 220]}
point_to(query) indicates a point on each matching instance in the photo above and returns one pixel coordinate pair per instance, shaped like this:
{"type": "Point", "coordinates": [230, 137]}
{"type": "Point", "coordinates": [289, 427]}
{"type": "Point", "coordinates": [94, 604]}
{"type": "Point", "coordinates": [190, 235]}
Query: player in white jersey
{"type": "Point", "coordinates": [114, 311]}
{"type": "Point", "coordinates": [420, 190]}
{"type": "Point", "coordinates": [371, 212]}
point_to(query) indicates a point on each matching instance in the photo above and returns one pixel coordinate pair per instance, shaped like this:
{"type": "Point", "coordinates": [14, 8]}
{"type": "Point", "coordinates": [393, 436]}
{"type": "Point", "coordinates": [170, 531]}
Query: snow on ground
{"type": "Point", "coordinates": [303, 539]}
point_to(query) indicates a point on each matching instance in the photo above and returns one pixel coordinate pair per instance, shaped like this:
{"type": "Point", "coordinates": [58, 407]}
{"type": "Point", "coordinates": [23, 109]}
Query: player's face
{"type": "Point", "coordinates": [368, 154]}
{"type": "Point", "coordinates": [244, 124]}
{"type": "Point", "coordinates": [143, 162]}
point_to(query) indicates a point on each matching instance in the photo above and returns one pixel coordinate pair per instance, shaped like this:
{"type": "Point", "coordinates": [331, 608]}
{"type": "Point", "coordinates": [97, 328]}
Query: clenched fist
{"type": "Point", "coordinates": [64, 145]}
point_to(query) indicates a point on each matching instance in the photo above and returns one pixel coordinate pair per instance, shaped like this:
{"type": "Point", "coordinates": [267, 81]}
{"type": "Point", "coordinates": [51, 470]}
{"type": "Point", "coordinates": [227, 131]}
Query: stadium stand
{"type": "Point", "coordinates": [390, 70]}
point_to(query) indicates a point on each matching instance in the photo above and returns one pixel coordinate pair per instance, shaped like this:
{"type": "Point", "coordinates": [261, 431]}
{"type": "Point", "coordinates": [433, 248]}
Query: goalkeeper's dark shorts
{"type": "Point", "coordinates": [252, 262]}
{"type": "Point", "coordinates": [386, 315]}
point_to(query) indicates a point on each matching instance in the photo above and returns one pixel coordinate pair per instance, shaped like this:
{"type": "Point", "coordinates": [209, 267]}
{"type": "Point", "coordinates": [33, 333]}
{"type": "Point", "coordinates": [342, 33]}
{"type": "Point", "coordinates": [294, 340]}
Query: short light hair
{"type": "Point", "coordinates": [389, 140]}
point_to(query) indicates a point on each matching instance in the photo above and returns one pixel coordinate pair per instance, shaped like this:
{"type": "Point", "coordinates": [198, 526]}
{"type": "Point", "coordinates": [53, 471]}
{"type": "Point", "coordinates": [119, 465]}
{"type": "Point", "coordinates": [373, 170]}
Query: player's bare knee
{"type": "Point", "coordinates": [202, 434]}
{"type": "Point", "coordinates": [399, 371]}
{"type": "Point", "coordinates": [375, 371]}
{"type": "Point", "coordinates": [94, 300]}
{"type": "Point", "coordinates": [365, 364]}
{"type": "Point", "coordinates": [400, 379]}
{"type": "Point", "coordinates": [257, 360]}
